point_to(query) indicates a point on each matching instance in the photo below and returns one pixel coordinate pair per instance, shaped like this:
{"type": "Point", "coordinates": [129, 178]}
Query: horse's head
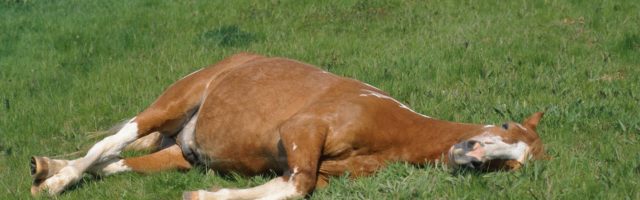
{"type": "Point", "coordinates": [505, 147]}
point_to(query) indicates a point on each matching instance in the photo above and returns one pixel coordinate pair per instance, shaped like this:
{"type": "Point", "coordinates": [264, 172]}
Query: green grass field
{"type": "Point", "coordinates": [70, 68]}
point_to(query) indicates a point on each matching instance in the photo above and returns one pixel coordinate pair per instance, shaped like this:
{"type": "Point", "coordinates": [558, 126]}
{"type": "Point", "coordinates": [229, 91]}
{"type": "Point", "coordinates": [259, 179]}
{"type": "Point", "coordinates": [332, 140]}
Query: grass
{"type": "Point", "coordinates": [68, 68]}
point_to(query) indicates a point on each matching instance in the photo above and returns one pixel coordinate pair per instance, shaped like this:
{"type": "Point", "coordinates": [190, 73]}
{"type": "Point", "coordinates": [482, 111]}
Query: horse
{"type": "Point", "coordinates": [251, 114]}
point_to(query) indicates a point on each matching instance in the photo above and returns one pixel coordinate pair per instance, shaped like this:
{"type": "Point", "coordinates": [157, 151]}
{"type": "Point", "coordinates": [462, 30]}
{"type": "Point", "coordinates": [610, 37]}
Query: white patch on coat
{"type": "Point", "coordinates": [489, 126]}
{"type": "Point", "coordinates": [192, 73]}
{"type": "Point", "coordinates": [295, 172]}
{"type": "Point", "coordinates": [372, 86]}
{"type": "Point", "coordinates": [186, 137]}
{"type": "Point", "coordinates": [382, 96]}
{"type": "Point", "coordinates": [206, 92]}
{"type": "Point", "coordinates": [294, 146]}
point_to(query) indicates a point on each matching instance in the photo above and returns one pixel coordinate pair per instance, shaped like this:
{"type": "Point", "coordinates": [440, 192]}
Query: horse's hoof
{"type": "Point", "coordinates": [40, 168]}
{"type": "Point", "coordinates": [43, 168]}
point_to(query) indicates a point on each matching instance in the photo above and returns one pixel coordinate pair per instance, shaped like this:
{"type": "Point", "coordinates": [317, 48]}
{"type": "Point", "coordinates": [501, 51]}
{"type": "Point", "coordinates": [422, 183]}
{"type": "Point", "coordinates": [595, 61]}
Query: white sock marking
{"type": "Point", "coordinates": [277, 188]}
{"type": "Point", "coordinates": [113, 168]}
{"type": "Point", "coordinates": [103, 151]}
{"type": "Point", "coordinates": [111, 146]}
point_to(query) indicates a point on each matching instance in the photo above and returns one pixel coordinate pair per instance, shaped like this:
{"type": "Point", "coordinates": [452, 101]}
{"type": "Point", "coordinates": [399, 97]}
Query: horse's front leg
{"type": "Point", "coordinates": [302, 139]}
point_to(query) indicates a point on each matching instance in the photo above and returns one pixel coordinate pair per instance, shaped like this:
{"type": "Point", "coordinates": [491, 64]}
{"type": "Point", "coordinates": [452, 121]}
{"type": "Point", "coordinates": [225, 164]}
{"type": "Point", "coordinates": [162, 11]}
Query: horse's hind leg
{"type": "Point", "coordinates": [170, 158]}
{"type": "Point", "coordinates": [167, 115]}
{"type": "Point", "coordinates": [151, 143]}
{"type": "Point", "coordinates": [110, 147]}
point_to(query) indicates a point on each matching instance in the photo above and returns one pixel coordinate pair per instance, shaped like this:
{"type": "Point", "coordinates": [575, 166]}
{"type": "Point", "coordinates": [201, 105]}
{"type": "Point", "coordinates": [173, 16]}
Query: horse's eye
{"type": "Point", "coordinates": [505, 126]}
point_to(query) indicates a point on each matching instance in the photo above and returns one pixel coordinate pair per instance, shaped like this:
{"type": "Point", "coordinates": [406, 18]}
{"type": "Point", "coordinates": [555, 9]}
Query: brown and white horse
{"type": "Point", "coordinates": [252, 114]}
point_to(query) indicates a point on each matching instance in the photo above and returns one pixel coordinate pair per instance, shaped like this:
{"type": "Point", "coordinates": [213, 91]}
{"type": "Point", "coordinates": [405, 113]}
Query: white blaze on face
{"type": "Point", "coordinates": [367, 93]}
{"type": "Point", "coordinates": [495, 148]}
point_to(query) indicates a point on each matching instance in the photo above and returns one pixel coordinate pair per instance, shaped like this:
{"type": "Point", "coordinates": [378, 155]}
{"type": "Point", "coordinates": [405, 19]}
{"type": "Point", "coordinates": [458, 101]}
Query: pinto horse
{"type": "Point", "coordinates": [253, 114]}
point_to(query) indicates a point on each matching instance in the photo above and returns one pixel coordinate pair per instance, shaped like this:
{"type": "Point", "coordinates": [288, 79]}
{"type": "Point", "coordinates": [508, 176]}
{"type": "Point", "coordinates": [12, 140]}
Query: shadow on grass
{"type": "Point", "coordinates": [228, 36]}
{"type": "Point", "coordinates": [80, 184]}
{"type": "Point", "coordinates": [232, 176]}
{"type": "Point", "coordinates": [466, 171]}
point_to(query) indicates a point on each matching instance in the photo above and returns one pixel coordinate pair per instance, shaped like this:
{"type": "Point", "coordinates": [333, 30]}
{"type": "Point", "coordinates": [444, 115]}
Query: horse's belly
{"type": "Point", "coordinates": [235, 140]}
{"type": "Point", "coordinates": [239, 151]}
{"type": "Point", "coordinates": [237, 128]}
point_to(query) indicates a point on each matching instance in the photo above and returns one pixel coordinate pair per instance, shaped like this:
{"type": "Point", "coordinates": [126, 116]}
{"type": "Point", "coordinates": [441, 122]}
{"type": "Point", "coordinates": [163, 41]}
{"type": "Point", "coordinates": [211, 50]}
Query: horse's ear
{"type": "Point", "coordinates": [532, 121]}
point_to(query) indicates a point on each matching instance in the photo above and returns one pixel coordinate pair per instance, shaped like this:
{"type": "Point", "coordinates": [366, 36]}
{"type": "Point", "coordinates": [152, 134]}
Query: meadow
{"type": "Point", "coordinates": [72, 68]}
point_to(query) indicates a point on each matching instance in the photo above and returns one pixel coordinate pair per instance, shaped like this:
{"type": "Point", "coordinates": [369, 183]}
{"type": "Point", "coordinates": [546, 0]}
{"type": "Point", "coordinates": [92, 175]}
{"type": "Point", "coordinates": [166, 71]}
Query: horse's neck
{"type": "Point", "coordinates": [428, 139]}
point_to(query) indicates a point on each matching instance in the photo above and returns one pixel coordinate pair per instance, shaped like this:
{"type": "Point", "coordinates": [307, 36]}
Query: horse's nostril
{"type": "Point", "coordinates": [469, 144]}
